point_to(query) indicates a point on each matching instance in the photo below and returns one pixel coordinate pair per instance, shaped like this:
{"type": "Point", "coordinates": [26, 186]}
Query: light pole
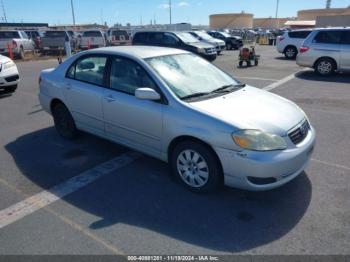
{"type": "Point", "coordinates": [3, 10]}
{"type": "Point", "coordinates": [72, 6]}
{"type": "Point", "coordinates": [170, 11]}
{"type": "Point", "coordinates": [277, 8]}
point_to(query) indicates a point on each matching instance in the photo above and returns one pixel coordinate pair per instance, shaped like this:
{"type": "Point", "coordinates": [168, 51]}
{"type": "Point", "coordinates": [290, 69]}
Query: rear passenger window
{"type": "Point", "coordinates": [89, 69]}
{"type": "Point", "coordinates": [346, 38]}
{"type": "Point", "coordinates": [299, 34]}
{"type": "Point", "coordinates": [328, 37]}
{"type": "Point", "coordinates": [140, 38]}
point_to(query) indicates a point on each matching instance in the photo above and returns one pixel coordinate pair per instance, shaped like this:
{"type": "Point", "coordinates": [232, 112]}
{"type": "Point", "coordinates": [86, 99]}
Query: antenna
{"type": "Point", "coordinates": [3, 10]}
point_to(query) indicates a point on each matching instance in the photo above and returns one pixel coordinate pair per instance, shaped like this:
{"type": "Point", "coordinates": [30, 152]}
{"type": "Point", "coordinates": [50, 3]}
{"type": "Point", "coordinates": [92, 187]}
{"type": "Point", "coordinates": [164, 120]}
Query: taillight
{"type": "Point", "coordinates": [14, 44]}
{"type": "Point", "coordinates": [281, 38]}
{"type": "Point", "coordinates": [304, 49]}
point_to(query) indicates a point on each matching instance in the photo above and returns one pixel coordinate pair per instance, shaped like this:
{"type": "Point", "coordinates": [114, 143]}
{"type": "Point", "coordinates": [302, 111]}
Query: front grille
{"type": "Point", "coordinates": [210, 50]}
{"type": "Point", "coordinates": [12, 78]}
{"type": "Point", "coordinates": [300, 133]}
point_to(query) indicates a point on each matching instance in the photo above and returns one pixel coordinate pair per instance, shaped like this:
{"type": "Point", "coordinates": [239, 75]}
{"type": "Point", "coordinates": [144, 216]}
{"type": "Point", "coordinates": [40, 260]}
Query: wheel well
{"type": "Point", "coordinates": [285, 49]}
{"type": "Point", "coordinates": [55, 102]}
{"type": "Point", "coordinates": [326, 57]}
{"type": "Point", "coordinates": [181, 139]}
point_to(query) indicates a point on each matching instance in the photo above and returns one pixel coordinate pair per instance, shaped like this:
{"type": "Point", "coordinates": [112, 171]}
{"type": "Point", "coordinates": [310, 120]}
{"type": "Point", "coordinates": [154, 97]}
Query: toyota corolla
{"type": "Point", "coordinates": [179, 108]}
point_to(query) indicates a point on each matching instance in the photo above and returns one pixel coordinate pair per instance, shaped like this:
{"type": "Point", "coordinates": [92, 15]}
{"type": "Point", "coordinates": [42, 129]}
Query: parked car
{"type": "Point", "coordinates": [180, 40]}
{"type": "Point", "coordinates": [326, 50]}
{"type": "Point", "coordinates": [9, 76]}
{"type": "Point", "coordinates": [175, 106]}
{"type": "Point", "coordinates": [92, 39]}
{"type": "Point", "coordinates": [35, 36]}
{"type": "Point", "coordinates": [54, 42]}
{"type": "Point", "coordinates": [232, 42]}
{"type": "Point", "coordinates": [18, 41]}
{"type": "Point", "coordinates": [118, 37]}
{"type": "Point", "coordinates": [290, 42]}
{"type": "Point", "coordinates": [206, 38]}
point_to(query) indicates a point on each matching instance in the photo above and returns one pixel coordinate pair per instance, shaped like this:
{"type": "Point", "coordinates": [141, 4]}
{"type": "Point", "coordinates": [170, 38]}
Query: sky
{"type": "Point", "coordinates": [195, 12]}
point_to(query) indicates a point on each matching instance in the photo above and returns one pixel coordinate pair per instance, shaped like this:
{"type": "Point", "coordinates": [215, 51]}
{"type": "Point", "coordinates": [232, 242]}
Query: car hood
{"type": "Point", "coordinates": [201, 45]}
{"type": "Point", "coordinates": [4, 59]}
{"type": "Point", "coordinates": [252, 108]}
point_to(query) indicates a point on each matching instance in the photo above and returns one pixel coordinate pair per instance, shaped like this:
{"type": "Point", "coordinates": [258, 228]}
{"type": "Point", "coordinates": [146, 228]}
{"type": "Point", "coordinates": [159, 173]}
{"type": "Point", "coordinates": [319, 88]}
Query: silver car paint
{"type": "Point", "coordinates": [150, 127]}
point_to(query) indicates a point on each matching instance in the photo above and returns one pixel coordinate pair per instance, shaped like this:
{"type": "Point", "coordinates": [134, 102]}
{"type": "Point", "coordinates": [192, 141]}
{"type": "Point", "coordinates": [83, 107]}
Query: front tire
{"type": "Point", "coordinates": [229, 46]}
{"type": "Point", "coordinates": [196, 167]}
{"type": "Point", "coordinates": [325, 67]}
{"type": "Point", "coordinates": [64, 122]}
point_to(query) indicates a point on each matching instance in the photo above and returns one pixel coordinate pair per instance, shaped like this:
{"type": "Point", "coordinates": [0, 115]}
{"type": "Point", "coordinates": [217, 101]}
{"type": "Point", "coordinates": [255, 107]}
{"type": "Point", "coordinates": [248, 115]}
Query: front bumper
{"type": "Point", "coordinates": [279, 166]}
{"type": "Point", "coordinates": [9, 77]}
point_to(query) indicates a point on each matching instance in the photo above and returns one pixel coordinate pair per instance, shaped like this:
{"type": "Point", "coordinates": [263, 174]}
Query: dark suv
{"type": "Point", "coordinates": [180, 40]}
{"type": "Point", "coordinates": [232, 42]}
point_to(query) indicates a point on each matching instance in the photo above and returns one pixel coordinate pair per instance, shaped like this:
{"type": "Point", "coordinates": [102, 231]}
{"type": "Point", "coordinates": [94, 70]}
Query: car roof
{"type": "Point", "coordinates": [331, 28]}
{"type": "Point", "coordinates": [139, 51]}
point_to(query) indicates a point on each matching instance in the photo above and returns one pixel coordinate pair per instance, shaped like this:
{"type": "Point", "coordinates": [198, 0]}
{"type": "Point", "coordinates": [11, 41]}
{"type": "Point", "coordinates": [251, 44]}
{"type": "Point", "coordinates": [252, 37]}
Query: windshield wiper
{"type": "Point", "coordinates": [228, 88]}
{"type": "Point", "coordinates": [195, 95]}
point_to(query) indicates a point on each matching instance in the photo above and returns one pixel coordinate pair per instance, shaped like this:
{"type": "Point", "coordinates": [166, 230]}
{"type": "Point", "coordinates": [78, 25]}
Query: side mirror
{"type": "Point", "coordinates": [146, 93]}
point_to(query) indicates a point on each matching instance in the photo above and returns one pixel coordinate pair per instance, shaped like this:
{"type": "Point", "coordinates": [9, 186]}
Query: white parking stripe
{"type": "Point", "coordinates": [330, 164]}
{"type": "Point", "coordinates": [279, 82]}
{"type": "Point", "coordinates": [47, 197]}
{"type": "Point", "coordinates": [257, 78]}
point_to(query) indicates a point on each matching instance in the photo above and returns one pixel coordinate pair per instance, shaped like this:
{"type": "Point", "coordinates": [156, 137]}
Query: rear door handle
{"type": "Point", "coordinates": [68, 86]}
{"type": "Point", "coordinates": [110, 99]}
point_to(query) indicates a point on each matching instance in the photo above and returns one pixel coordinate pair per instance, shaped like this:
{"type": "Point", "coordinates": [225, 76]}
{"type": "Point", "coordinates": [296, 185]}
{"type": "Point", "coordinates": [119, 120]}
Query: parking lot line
{"type": "Point", "coordinates": [47, 197]}
{"type": "Point", "coordinates": [257, 78]}
{"type": "Point", "coordinates": [330, 164]}
{"type": "Point", "coordinates": [281, 82]}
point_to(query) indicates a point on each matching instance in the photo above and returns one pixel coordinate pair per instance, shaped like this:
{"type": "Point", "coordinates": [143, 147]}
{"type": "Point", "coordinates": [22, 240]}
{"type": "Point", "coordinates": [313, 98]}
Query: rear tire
{"type": "Point", "coordinates": [290, 52]}
{"type": "Point", "coordinates": [21, 53]}
{"type": "Point", "coordinates": [325, 67]}
{"type": "Point", "coordinates": [240, 63]}
{"type": "Point", "coordinates": [64, 122]}
{"type": "Point", "coordinates": [196, 166]}
{"type": "Point", "coordinates": [229, 46]}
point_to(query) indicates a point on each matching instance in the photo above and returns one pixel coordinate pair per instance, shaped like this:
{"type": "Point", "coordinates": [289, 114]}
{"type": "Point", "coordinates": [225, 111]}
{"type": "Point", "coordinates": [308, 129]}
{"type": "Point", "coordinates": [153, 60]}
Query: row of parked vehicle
{"type": "Point", "coordinates": [207, 44]}
{"type": "Point", "coordinates": [326, 49]}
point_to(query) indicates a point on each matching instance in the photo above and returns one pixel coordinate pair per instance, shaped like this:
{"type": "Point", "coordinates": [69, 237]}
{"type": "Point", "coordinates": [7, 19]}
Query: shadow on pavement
{"type": "Point", "coordinates": [335, 78]}
{"type": "Point", "coordinates": [142, 194]}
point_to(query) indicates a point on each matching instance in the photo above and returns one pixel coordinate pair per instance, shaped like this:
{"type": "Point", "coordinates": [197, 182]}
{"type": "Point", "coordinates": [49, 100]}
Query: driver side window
{"type": "Point", "coordinates": [127, 76]}
{"type": "Point", "coordinates": [170, 40]}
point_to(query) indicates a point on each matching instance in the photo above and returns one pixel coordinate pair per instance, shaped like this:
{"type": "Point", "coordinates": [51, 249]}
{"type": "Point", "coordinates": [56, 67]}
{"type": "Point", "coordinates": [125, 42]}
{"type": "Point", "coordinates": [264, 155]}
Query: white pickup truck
{"type": "Point", "coordinates": [17, 41]}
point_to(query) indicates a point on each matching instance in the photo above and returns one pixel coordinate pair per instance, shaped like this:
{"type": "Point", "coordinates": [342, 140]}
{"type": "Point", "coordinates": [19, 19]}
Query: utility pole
{"type": "Point", "coordinates": [170, 12]}
{"type": "Point", "coordinates": [72, 6]}
{"type": "Point", "coordinates": [3, 10]}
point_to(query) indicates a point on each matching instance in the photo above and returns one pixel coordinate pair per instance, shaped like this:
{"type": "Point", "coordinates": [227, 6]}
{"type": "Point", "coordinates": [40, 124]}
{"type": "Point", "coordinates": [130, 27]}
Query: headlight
{"type": "Point", "coordinates": [8, 65]}
{"type": "Point", "coordinates": [258, 141]}
{"type": "Point", "coordinates": [200, 50]}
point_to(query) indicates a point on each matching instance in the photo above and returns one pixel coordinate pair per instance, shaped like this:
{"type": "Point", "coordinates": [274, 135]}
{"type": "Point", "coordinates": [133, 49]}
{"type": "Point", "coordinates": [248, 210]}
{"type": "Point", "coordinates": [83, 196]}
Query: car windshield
{"type": "Point", "coordinates": [9, 34]}
{"type": "Point", "coordinates": [55, 34]}
{"type": "Point", "coordinates": [225, 34]}
{"type": "Point", "coordinates": [203, 35]}
{"type": "Point", "coordinates": [188, 74]}
{"type": "Point", "coordinates": [187, 37]}
{"type": "Point", "coordinates": [92, 34]}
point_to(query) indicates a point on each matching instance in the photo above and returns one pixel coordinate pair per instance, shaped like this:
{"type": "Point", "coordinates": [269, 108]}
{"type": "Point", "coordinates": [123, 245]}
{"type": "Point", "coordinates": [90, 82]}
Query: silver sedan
{"type": "Point", "coordinates": [179, 108]}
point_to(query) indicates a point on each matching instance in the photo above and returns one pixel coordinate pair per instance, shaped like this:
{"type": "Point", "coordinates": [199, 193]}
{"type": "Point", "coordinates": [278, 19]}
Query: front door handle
{"type": "Point", "coordinates": [110, 99]}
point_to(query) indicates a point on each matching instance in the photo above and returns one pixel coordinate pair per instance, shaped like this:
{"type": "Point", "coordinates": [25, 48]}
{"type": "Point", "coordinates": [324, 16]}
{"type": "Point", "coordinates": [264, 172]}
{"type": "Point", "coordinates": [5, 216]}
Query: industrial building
{"type": "Point", "coordinates": [234, 21]}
